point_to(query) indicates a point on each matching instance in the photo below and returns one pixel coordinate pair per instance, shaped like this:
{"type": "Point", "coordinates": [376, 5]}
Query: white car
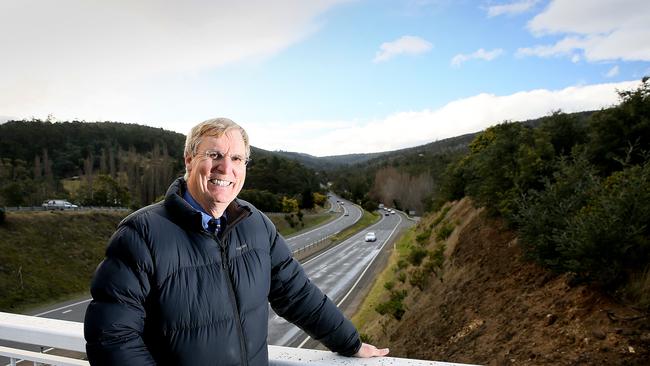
{"type": "Point", "coordinates": [370, 236]}
{"type": "Point", "coordinates": [58, 205]}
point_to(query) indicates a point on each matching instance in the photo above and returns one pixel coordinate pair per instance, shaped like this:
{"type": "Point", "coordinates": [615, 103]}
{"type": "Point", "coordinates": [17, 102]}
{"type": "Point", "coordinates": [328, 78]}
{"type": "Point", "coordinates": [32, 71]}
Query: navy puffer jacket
{"type": "Point", "coordinates": [170, 293]}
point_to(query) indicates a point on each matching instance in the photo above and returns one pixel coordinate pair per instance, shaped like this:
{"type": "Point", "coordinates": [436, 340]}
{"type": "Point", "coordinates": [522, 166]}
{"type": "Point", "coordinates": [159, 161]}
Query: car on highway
{"type": "Point", "coordinates": [58, 205]}
{"type": "Point", "coordinates": [370, 236]}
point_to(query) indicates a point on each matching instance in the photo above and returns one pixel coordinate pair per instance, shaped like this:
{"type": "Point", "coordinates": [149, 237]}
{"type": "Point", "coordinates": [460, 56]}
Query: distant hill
{"type": "Point", "coordinates": [114, 164]}
{"type": "Point", "coordinates": [457, 143]}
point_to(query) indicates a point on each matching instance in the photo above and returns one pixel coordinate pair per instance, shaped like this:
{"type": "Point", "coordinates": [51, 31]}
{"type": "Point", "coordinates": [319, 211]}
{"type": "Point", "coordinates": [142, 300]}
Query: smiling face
{"type": "Point", "coordinates": [214, 184]}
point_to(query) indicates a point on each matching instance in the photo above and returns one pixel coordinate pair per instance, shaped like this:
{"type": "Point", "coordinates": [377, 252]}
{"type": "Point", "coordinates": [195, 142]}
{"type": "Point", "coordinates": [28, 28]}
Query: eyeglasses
{"type": "Point", "coordinates": [218, 156]}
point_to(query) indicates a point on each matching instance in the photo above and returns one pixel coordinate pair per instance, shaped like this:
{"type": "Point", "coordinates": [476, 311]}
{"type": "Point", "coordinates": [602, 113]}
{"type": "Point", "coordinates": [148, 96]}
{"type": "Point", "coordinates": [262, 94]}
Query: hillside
{"type": "Point", "coordinates": [486, 305]}
{"type": "Point", "coordinates": [117, 164]}
{"type": "Point", "coordinates": [50, 256]}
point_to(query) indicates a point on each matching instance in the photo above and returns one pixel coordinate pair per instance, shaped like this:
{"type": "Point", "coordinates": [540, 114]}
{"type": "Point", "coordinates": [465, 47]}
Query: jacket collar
{"type": "Point", "coordinates": [190, 218]}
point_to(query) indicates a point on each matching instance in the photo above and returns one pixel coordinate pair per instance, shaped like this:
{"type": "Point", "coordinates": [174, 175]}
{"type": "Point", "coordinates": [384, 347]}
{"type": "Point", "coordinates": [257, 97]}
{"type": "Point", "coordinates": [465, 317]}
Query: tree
{"type": "Point", "coordinates": [307, 199]}
{"type": "Point", "coordinates": [621, 133]}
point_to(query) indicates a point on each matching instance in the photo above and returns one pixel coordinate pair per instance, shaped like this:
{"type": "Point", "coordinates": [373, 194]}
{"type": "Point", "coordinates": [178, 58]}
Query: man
{"type": "Point", "coordinates": [187, 281]}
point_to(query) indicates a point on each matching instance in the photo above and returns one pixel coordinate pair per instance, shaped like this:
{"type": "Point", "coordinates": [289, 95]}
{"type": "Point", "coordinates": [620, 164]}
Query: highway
{"type": "Point", "coordinates": [334, 271]}
{"type": "Point", "coordinates": [337, 271]}
{"type": "Point", "coordinates": [354, 213]}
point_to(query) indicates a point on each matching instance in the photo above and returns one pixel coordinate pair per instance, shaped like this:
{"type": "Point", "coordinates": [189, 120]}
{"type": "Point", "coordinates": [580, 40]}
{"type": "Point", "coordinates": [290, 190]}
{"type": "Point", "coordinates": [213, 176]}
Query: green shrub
{"type": "Point", "coordinates": [416, 255]}
{"type": "Point", "coordinates": [394, 306]}
{"type": "Point", "coordinates": [419, 278]}
{"type": "Point", "coordinates": [401, 264]}
{"type": "Point", "coordinates": [438, 255]}
{"type": "Point", "coordinates": [423, 237]}
{"type": "Point", "coordinates": [435, 262]}
{"type": "Point", "coordinates": [543, 215]}
{"type": "Point", "coordinates": [401, 277]}
{"type": "Point", "coordinates": [441, 215]}
{"type": "Point", "coordinates": [389, 285]}
{"type": "Point", "coordinates": [609, 238]}
{"type": "Point", "coordinates": [595, 228]}
{"type": "Point", "coordinates": [444, 231]}
{"type": "Point", "coordinates": [504, 162]}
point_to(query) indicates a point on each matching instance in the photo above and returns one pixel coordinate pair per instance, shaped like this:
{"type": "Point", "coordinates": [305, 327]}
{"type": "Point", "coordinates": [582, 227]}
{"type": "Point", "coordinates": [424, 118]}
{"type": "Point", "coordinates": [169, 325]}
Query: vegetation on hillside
{"type": "Point", "coordinates": [118, 164]}
{"type": "Point", "coordinates": [577, 191]}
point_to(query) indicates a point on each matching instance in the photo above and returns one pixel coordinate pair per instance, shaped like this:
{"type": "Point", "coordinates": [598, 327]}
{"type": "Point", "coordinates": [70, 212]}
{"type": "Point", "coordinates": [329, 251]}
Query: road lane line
{"type": "Point", "coordinates": [62, 307]}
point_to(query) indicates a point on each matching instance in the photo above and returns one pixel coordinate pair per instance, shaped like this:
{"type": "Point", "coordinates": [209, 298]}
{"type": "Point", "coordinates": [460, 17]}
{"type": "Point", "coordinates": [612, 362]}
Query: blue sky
{"type": "Point", "coordinates": [323, 77]}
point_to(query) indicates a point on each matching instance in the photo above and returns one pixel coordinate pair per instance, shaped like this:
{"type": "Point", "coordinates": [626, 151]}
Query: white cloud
{"type": "Point", "coordinates": [612, 72]}
{"type": "Point", "coordinates": [600, 29]}
{"type": "Point", "coordinates": [480, 54]}
{"type": "Point", "coordinates": [405, 45]}
{"type": "Point", "coordinates": [75, 57]}
{"type": "Point", "coordinates": [512, 8]}
{"type": "Point", "coordinates": [412, 128]}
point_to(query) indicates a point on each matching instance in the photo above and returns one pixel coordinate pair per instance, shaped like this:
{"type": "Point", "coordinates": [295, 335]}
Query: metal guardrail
{"type": "Point", "coordinates": [41, 208]}
{"type": "Point", "coordinates": [67, 335]}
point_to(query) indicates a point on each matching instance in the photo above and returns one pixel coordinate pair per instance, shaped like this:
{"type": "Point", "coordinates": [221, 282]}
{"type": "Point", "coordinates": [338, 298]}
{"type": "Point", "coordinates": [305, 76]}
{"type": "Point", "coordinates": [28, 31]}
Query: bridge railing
{"type": "Point", "coordinates": [61, 337]}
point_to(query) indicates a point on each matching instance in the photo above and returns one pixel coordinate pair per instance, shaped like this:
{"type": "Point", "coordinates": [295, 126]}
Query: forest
{"type": "Point", "coordinates": [127, 165]}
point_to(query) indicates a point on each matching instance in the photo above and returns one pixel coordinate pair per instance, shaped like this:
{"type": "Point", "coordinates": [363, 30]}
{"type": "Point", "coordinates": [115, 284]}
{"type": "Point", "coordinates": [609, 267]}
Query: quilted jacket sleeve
{"type": "Point", "coordinates": [115, 318]}
{"type": "Point", "coordinates": [296, 299]}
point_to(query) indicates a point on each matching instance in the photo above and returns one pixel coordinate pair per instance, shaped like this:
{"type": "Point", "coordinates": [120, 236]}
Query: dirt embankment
{"type": "Point", "coordinates": [494, 308]}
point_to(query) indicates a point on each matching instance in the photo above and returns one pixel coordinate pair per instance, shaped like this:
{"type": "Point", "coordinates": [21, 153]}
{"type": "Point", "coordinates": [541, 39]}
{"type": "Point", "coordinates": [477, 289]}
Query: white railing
{"type": "Point", "coordinates": [66, 335]}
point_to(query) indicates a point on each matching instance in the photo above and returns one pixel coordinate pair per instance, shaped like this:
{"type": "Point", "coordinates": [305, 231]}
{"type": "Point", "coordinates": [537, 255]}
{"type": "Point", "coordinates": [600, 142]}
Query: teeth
{"type": "Point", "coordinates": [220, 183]}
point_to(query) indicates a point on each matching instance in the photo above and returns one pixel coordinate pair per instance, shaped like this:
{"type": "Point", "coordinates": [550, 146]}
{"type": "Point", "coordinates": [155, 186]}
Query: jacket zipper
{"type": "Point", "coordinates": [233, 301]}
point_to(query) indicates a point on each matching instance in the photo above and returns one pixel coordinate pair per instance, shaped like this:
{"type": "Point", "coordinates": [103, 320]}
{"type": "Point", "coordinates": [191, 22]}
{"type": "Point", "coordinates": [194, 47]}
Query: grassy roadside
{"type": "Point", "coordinates": [46, 257]}
{"type": "Point", "coordinates": [50, 256]}
{"type": "Point", "coordinates": [309, 221]}
{"type": "Point", "coordinates": [366, 311]}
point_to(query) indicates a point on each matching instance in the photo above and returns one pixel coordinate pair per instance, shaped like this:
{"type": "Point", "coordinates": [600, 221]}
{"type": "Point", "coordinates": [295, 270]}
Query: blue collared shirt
{"type": "Point", "coordinates": [205, 217]}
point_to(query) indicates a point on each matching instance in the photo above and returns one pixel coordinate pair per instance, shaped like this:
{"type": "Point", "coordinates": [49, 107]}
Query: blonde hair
{"type": "Point", "coordinates": [215, 127]}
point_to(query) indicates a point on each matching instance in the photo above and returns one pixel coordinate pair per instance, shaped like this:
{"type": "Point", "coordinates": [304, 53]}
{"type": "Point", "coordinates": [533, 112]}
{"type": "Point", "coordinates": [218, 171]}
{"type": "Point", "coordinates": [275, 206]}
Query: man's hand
{"type": "Point", "coordinates": [368, 350]}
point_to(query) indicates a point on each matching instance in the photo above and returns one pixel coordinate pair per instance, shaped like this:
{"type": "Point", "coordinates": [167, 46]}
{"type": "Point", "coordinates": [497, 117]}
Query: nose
{"type": "Point", "coordinates": [223, 165]}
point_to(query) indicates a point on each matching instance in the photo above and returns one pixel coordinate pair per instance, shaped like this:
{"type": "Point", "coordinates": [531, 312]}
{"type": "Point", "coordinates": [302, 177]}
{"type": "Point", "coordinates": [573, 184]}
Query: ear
{"type": "Point", "coordinates": [188, 163]}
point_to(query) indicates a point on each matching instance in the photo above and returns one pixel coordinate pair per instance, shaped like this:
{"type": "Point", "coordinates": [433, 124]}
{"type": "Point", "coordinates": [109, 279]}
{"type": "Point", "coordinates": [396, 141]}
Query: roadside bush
{"type": "Point", "coordinates": [401, 277]}
{"type": "Point", "coordinates": [609, 238]}
{"type": "Point", "coordinates": [401, 264]}
{"type": "Point", "coordinates": [435, 262]}
{"type": "Point", "coordinates": [416, 255]}
{"type": "Point", "coordinates": [393, 307]}
{"type": "Point", "coordinates": [441, 215]}
{"type": "Point", "coordinates": [595, 228]}
{"type": "Point", "coordinates": [419, 278]}
{"type": "Point", "coordinates": [444, 231]}
{"type": "Point", "coordinates": [389, 285]}
{"type": "Point", "coordinates": [542, 216]}
{"type": "Point", "coordinates": [504, 162]}
{"type": "Point", "coordinates": [423, 237]}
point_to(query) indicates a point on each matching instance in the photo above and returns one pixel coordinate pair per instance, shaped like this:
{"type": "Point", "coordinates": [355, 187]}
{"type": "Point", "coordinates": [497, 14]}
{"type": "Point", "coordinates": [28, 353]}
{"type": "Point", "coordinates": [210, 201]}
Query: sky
{"type": "Point", "coordinates": [322, 77]}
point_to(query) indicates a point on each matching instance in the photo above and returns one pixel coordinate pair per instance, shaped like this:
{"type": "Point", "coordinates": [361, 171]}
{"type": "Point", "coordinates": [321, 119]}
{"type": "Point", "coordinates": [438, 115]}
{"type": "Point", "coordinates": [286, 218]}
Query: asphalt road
{"type": "Point", "coordinates": [337, 272]}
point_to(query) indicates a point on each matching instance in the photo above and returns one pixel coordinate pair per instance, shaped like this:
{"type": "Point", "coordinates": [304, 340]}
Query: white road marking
{"type": "Point", "coordinates": [63, 307]}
